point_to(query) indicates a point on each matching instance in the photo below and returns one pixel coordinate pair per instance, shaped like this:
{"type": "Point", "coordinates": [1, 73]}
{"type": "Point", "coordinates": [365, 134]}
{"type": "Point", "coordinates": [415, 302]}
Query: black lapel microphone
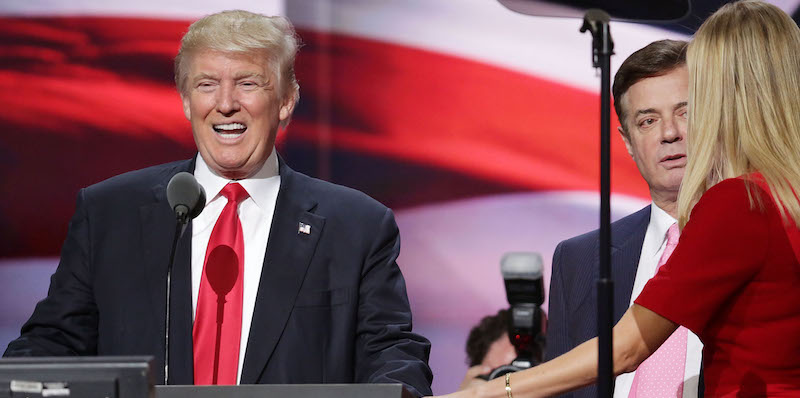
{"type": "Point", "coordinates": [186, 198]}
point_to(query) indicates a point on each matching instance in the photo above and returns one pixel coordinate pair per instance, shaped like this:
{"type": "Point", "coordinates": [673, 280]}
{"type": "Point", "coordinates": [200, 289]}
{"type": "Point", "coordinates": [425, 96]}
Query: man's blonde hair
{"type": "Point", "coordinates": [744, 113]}
{"type": "Point", "coordinates": [246, 33]}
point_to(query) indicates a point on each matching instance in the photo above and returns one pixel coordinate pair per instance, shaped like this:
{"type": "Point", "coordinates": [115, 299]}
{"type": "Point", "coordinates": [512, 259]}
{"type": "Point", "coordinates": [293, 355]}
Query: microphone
{"type": "Point", "coordinates": [187, 198]}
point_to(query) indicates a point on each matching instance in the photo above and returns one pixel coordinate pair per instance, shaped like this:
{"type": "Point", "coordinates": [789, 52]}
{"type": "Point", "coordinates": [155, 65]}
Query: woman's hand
{"type": "Point", "coordinates": [471, 377]}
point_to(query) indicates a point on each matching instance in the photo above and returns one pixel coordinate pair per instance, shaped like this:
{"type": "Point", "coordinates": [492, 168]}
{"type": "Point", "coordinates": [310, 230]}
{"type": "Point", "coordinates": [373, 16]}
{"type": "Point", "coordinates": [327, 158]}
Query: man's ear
{"type": "Point", "coordinates": [287, 107]}
{"type": "Point", "coordinates": [626, 140]}
{"type": "Point", "coordinates": [187, 109]}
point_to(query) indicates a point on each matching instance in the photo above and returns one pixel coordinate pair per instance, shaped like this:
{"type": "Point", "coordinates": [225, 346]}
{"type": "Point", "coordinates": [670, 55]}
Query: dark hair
{"type": "Point", "coordinates": [485, 333]}
{"type": "Point", "coordinates": [656, 59]}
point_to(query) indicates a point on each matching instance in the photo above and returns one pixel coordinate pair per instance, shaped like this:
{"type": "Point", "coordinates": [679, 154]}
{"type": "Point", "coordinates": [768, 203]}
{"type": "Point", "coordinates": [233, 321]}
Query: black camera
{"type": "Point", "coordinates": [522, 273]}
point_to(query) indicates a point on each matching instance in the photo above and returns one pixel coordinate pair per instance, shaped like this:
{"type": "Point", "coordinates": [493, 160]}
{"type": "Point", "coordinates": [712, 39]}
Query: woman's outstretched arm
{"type": "Point", "coordinates": [637, 335]}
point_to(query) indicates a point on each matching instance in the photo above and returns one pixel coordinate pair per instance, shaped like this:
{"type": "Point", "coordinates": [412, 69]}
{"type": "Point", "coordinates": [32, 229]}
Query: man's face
{"type": "Point", "coordinates": [656, 116]}
{"type": "Point", "coordinates": [233, 103]}
{"type": "Point", "coordinates": [500, 353]}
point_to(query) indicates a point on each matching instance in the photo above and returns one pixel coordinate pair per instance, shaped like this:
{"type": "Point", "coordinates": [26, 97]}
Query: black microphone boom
{"type": "Point", "coordinates": [652, 11]}
{"type": "Point", "coordinates": [187, 198]}
{"type": "Point", "coordinates": [596, 21]}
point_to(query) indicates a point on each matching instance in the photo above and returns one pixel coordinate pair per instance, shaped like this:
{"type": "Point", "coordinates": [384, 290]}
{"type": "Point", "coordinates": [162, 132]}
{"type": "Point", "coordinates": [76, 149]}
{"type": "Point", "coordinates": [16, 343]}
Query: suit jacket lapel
{"type": "Point", "coordinates": [625, 253]}
{"type": "Point", "coordinates": [157, 229]}
{"type": "Point", "coordinates": [288, 256]}
{"type": "Point", "coordinates": [626, 247]}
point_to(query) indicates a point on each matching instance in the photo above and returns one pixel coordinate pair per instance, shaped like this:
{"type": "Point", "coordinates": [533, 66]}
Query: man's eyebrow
{"type": "Point", "coordinates": [646, 111]}
{"type": "Point", "coordinates": [653, 110]}
{"type": "Point", "coordinates": [247, 75]}
{"type": "Point", "coordinates": [202, 76]}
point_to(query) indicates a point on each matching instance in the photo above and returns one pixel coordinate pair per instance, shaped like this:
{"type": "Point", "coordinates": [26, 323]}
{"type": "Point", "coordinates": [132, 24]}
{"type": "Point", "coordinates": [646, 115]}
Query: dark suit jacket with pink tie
{"type": "Point", "coordinates": [331, 306]}
{"type": "Point", "coordinates": [572, 314]}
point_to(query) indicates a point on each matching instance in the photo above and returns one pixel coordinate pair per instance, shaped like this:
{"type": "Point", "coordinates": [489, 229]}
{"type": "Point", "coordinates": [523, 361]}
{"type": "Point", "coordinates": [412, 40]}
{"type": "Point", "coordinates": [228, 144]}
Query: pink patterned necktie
{"type": "Point", "coordinates": [661, 375]}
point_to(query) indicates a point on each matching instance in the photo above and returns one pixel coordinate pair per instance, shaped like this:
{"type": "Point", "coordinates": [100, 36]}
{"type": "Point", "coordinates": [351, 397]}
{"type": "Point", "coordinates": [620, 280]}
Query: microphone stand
{"type": "Point", "coordinates": [597, 23]}
{"type": "Point", "coordinates": [182, 219]}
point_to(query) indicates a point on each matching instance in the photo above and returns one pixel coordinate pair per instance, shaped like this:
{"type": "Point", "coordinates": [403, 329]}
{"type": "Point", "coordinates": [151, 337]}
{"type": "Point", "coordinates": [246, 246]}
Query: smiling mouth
{"type": "Point", "coordinates": [229, 130]}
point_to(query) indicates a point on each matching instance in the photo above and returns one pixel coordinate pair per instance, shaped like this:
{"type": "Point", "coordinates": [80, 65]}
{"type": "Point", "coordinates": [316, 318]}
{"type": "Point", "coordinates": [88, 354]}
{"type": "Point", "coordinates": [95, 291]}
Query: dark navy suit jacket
{"type": "Point", "coordinates": [331, 306]}
{"type": "Point", "coordinates": [572, 315]}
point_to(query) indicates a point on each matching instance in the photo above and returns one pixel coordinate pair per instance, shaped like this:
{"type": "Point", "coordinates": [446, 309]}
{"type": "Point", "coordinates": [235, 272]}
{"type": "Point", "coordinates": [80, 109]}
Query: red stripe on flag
{"type": "Point", "coordinates": [448, 112]}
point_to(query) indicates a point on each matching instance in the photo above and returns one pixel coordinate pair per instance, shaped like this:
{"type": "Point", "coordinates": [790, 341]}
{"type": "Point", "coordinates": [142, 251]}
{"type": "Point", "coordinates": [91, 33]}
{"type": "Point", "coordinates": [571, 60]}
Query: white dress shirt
{"type": "Point", "coordinates": [255, 214]}
{"type": "Point", "coordinates": [655, 241]}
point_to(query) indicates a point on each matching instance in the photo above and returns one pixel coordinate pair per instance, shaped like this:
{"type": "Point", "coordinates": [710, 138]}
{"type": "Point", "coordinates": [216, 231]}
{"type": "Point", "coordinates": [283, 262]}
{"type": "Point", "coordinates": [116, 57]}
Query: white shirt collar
{"type": "Point", "coordinates": [660, 221]}
{"type": "Point", "coordinates": [257, 186]}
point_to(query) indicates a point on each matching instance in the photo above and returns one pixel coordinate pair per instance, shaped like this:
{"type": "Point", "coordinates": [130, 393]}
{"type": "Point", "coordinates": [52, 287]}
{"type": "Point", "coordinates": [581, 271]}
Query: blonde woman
{"type": "Point", "coordinates": [734, 278]}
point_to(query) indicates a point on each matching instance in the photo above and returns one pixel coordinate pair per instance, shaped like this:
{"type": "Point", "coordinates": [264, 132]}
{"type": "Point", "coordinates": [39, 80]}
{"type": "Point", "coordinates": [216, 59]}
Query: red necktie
{"type": "Point", "coordinates": [662, 374]}
{"type": "Point", "coordinates": [218, 323]}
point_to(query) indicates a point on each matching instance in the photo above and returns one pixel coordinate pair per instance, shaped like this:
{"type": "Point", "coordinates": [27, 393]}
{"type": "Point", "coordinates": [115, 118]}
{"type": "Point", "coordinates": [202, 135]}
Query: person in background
{"type": "Point", "coordinates": [488, 347]}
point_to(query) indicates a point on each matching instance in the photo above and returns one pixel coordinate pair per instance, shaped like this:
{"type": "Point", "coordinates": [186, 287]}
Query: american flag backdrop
{"type": "Point", "coordinates": [478, 126]}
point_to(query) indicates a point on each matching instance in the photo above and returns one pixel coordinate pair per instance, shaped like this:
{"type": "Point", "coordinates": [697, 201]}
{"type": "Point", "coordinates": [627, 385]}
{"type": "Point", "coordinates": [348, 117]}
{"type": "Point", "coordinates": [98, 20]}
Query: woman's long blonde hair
{"type": "Point", "coordinates": [744, 104]}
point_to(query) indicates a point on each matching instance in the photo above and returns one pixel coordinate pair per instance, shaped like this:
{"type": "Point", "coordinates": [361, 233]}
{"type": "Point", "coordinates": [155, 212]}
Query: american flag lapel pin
{"type": "Point", "coordinates": [304, 228]}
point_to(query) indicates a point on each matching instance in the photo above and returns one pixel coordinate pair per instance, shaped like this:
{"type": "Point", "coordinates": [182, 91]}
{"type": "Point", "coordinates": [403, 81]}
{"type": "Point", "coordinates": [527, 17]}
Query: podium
{"type": "Point", "coordinates": [132, 377]}
{"type": "Point", "coordinates": [286, 391]}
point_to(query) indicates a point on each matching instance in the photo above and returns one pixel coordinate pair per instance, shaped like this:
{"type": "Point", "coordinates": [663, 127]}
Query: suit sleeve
{"type": "Point", "coordinates": [65, 322]}
{"type": "Point", "coordinates": [387, 351]}
{"type": "Point", "coordinates": [557, 340]}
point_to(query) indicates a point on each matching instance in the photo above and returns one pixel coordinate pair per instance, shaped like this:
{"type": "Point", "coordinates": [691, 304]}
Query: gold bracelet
{"type": "Point", "coordinates": [508, 385]}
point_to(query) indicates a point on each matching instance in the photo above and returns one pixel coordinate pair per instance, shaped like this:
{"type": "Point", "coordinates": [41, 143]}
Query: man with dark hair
{"type": "Point", "coordinates": [488, 347]}
{"type": "Point", "coordinates": [650, 97]}
{"type": "Point", "coordinates": [485, 337]}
